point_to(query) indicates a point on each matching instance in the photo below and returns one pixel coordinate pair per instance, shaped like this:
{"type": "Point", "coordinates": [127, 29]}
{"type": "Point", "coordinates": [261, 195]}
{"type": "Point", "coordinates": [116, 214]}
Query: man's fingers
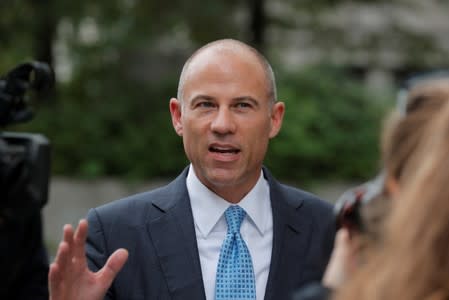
{"type": "Point", "coordinates": [70, 267]}
{"type": "Point", "coordinates": [71, 248]}
{"type": "Point", "coordinates": [58, 274]}
{"type": "Point", "coordinates": [81, 231]}
{"type": "Point", "coordinates": [68, 234]}
{"type": "Point", "coordinates": [54, 277]}
{"type": "Point", "coordinates": [54, 282]}
{"type": "Point", "coordinates": [79, 240]}
{"type": "Point", "coordinates": [62, 259]}
{"type": "Point", "coordinates": [113, 266]}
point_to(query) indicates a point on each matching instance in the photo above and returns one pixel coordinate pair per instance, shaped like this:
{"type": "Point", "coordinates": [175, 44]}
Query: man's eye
{"type": "Point", "coordinates": [205, 104]}
{"type": "Point", "coordinates": [243, 105]}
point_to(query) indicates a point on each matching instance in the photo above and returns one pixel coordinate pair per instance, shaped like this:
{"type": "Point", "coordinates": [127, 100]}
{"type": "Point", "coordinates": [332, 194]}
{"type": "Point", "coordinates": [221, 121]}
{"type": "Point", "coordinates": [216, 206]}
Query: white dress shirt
{"type": "Point", "coordinates": [210, 226]}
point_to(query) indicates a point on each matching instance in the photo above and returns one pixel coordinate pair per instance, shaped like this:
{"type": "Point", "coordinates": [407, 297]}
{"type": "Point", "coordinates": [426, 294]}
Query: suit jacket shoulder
{"type": "Point", "coordinates": [303, 236]}
{"type": "Point", "coordinates": [157, 229]}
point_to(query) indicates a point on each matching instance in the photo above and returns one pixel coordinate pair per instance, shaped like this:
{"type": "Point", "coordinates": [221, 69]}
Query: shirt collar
{"type": "Point", "coordinates": [208, 207]}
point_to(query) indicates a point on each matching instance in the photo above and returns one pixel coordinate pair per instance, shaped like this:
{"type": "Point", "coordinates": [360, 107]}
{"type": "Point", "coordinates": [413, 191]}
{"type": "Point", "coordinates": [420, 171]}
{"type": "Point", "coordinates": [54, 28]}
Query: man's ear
{"type": "Point", "coordinates": [277, 115]}
{"type": "Point", "coordinates": [175, 111]}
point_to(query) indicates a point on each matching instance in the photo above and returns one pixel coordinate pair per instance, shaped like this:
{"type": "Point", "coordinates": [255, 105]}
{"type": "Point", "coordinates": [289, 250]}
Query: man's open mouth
{"type": "Point", "coordinates": [224, 150]}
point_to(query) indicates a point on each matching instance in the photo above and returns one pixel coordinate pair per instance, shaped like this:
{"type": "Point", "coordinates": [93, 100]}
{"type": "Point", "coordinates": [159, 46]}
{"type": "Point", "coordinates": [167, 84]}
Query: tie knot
{"type": "Point", "coordinates": [234, 217]}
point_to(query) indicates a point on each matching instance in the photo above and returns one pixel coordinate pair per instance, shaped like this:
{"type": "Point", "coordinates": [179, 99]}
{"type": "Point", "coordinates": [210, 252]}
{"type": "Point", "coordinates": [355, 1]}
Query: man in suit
{"type": "Point", "coordinates": [226, 112]}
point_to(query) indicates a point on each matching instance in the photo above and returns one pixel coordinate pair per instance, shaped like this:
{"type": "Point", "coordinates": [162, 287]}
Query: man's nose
{"type": "Point", "coordinates": [223, 122]}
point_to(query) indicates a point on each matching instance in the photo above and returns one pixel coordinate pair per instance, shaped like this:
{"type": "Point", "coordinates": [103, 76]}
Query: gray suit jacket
{"type": "Point", "coordinates": [157, 229]}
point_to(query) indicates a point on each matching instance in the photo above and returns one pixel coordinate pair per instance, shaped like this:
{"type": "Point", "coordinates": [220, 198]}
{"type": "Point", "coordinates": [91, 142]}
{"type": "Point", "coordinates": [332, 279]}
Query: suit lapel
{"type": "Point", "coordinates": [290, 239]}
{"type": "Point", "coordinates": [173, 236]}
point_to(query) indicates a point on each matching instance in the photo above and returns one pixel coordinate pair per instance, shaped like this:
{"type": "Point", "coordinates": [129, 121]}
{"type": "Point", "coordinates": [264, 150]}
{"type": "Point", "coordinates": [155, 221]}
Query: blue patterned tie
{"type": "Point", "coordinates": [235, 275]}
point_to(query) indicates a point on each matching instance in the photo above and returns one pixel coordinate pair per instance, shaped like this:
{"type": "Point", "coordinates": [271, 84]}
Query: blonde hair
{"type": "Point", "coordinates": [414, 261]}
{"type": "Point", "coordinates": [403, 130]}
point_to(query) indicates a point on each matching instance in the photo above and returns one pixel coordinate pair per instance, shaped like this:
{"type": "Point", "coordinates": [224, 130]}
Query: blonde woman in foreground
{"type": "Point", "coordinates": [414, 261]}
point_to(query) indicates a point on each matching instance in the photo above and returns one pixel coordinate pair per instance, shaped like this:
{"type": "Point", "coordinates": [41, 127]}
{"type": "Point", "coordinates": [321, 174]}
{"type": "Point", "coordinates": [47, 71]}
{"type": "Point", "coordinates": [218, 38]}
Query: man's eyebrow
{"type": "Point", "coordinates": [202, 97]}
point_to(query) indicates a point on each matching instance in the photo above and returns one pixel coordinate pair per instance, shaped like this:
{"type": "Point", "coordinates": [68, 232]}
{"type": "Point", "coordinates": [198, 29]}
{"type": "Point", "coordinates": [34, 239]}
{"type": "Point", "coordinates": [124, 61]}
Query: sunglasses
{"type": "Point", "coordinates": [347, 208]}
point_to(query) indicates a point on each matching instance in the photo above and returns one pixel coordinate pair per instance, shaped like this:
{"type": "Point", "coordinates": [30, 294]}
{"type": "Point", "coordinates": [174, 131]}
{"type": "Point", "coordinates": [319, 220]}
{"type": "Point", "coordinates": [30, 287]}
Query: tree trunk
{"type": "Point", "coordinates": [258, 23]}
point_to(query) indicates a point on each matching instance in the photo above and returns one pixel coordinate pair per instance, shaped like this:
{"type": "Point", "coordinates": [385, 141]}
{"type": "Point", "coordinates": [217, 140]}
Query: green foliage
{"type": "Point", "coordinates": [112, 117]}
{"type": "Point", "coordinates": [97, 130]}
{"type": "Point", "coordinates": [331, 127]}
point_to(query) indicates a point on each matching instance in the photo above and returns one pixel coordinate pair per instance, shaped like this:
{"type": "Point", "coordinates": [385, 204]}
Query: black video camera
{"type": "Point", "coordinates": [24, 157]}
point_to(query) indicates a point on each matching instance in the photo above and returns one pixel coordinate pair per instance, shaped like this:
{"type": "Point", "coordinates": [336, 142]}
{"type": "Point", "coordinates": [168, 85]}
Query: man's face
{"type": "Point", "coordinates": [226, 120]}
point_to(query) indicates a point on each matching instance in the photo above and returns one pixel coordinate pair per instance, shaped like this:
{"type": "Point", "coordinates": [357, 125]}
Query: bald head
{"type": "Point", "coordinates": [230, 47]}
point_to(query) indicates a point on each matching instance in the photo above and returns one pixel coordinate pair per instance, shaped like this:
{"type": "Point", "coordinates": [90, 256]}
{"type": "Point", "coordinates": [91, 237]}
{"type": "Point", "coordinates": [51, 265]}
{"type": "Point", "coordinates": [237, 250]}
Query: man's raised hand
{"type": "Point", "coordinates": [70, 278]}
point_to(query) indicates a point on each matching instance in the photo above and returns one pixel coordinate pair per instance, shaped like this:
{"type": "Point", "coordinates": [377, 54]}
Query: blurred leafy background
{"type": "Point", "coordinates": [117, 63]}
